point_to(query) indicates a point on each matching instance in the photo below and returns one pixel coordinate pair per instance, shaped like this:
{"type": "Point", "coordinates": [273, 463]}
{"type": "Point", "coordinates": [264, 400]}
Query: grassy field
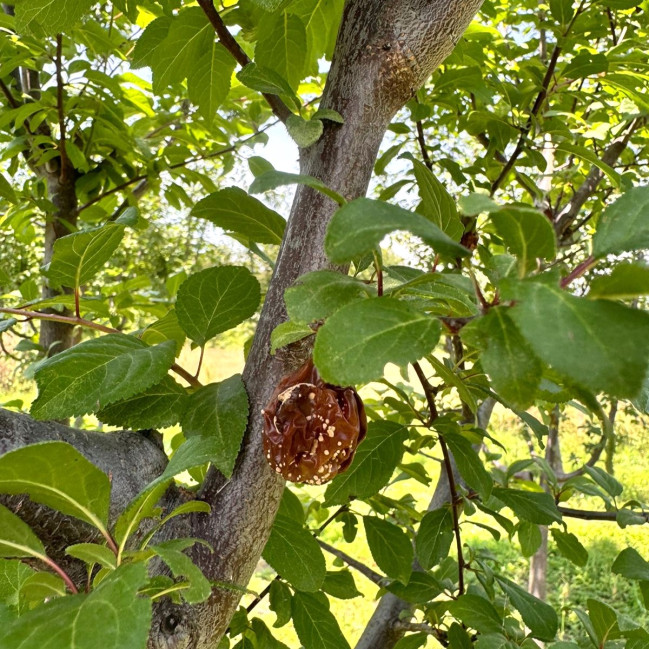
{"type": "Point", "coordinates": [570, 586]}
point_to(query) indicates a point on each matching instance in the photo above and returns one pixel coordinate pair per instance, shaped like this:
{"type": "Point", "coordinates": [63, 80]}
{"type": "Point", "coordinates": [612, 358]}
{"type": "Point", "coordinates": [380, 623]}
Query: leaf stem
{"type": "Point", "coordinates": [60, 572]}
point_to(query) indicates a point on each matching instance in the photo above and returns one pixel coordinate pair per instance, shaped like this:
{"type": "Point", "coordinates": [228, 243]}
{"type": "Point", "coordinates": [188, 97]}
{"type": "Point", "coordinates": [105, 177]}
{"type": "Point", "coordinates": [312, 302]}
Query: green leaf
{"type": "Point", "coordinates": [414, 641]}
{"type": "Point", "coordinates": [78, 257]}
{"type": "Point", "coordinates": [527, 233]}
{"type": "Point", "coordinates": [273, 178]}
{"type": "Point", "coordinates": [317, 295]}
{"type": "Point", "coordinates": [434, 537]}
{"type": "Point", "coordinates": [627, 281]}
{"type": "Point", "coordinates": [561, 11]}
{"type": "Point", "coordinates": [55, 474]}
{"type": "Point", "coordinates": [16, 537]}
{"type": "Point", "coordinates": [390, 546]}
{"type": "Point", "coordinates": [235, 211]}
{"type": "Point", "coordinates": [263, 79]}
{"type": "Point", "coordinates": [159, 406]}
{"type": "Point", "coordinates": [507, 358]}
{"type": "Point", "coordinates": [314, 624]}
{"type": "Point", "coordinates": [328, 114]}
{"type": "Point", "coordinates": [529, 536]}
{"type": "Point", "coordinates": [437, 205]}
{"type": "Point", "coordinates": [624, 225]}
{"type": "Point", "coordinates": [279, 601]}
{"type": "Point", "coordinates": [356, 342]}
{"type": "Point", "coordinates": [373, 464]}
{"type": "Point", "coordinates": [7, 191]}
{"type": "Point", "coordinates": [476, 612]}
{"type": "Point", "coordinates": [141, 507]}
{"type": "Point", "coordinates": [190, 36]}
{"type": "Point", "coordinates": [606, 481]}
{"type": "Point", "coordinates": [592, 158]}
{"type": "Point", "coordinates": [340, 584]}
{"type": "Point", "coordinates": [585, 64]}
{"type": "Point", "coordinates": [421, 588]}
{"type": "Point", "coordinates": [286, 333]}
{"type": "Point", "coordinates": [92, 553]}
{"type": "Point", "coordinates": [265, 639]}
{"type": "Point", "coordinates": [95, 373]}
{"type": "Point", "coordinates": [570, 547]}
{"type": "Point", "coordinates": [475, 203]}
{"type": "Point", "coordinates": [215, 300]}
{"type": "Point", "coordinates": [13, 575]}
{"type": "Point", "coordinates": [208, 80]}
{"type": "Point", "coordinates": [304, 132]}
{"type": "Point", "coordinates": [295, 555]}
{"type": "Point", "coordinates": [604, 620]}
{"type": "Point", "coordinates": [359, 226]}
{"type": "Point", "coordinates": [450, 378]}
{"type": "Point", "coordinates": [631, 565]}
{"type": "Point", "coordinates": [540, 617]}
{"type": "Point", "coordinates": [144, 52]}
{"type": "Point", "coordinates": [533, 506]}
{"type": "Point", "coordinates": [112, 612]}
{"type": "Point", "coordinates": [599, 344]}
{"type": "Point", "coordinates": [216, 415]}
{"type": "Point", "coordinates": [181, 565]}
{"type": "Point", "coordinates": [282, 47]}
{"type": "Point", "coordinates": [49, 17]}
{"type": "Point", "coordinates": [39, 587]}
{"type": "Point", "coordinates": [469, 464]}
{"type": "Point", "coordinates": [167, 328]}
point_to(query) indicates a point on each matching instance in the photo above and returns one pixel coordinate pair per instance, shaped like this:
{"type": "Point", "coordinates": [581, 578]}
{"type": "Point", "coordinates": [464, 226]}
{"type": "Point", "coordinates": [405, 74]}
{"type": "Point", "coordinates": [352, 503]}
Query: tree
{"type": "Point", "coordinates": [553, 94]}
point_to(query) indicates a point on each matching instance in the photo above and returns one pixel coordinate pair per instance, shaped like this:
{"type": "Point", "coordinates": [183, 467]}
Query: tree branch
{"type": "Point", "coordinates": [525, 130]}
{"type": "Point", "coordinates": [588, 515]}
{"type": "Point", "coordinates": [373, 576]}
{"type": "Point", "coordinates": [448, 466]}
{"type": "Point", "coordinates": [230, 43]}
{"type": "Point", "coordinates": [613, 151]}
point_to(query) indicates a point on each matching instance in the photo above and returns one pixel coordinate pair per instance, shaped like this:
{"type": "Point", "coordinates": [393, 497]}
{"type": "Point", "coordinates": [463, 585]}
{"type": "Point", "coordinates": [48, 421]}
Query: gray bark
{"type": "Point", "coordinates": [386, 49]}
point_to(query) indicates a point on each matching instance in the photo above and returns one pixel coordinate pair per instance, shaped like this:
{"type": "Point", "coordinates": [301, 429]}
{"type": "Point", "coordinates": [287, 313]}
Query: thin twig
{"type": "Point", "coordinates": [7, 93]}
{"type": "Point", "coordinates": [89, 324]}
{"type": "Point", "coordinates": [421, 138]}
{"type": "Point", "coordinates": [373, 576]}
{"type": "Point", "coordinates": [429, 392]}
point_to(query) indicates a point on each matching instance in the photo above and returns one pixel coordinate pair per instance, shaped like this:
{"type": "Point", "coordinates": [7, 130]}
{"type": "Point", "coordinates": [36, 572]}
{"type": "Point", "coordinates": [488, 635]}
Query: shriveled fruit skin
{"type": "Point", "coordinates": [312, 428]}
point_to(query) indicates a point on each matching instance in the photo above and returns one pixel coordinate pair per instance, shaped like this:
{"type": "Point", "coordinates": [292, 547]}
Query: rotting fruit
{"type": "Point", "coordinates": [312, 428]}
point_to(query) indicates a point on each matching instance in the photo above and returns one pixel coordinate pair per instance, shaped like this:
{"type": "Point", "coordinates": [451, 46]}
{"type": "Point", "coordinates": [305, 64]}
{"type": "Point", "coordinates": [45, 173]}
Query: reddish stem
{"type": "Point", "coordinates": [60, 572]}
{"type": "Point", "coordinates": [582, 268]}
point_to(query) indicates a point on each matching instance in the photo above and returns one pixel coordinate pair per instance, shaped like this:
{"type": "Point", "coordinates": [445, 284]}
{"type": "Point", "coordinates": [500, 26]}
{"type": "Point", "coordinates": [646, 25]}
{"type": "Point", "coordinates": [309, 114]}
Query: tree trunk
{"type": "Point", "coordinates": [538, 573]}
{"type": "Point", "coordinates": [56, 337]}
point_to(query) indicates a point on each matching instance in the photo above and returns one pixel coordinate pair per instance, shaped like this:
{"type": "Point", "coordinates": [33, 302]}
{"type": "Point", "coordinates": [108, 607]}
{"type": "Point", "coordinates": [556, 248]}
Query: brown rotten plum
{"type": "Point", "coordinates": [312, 428]}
